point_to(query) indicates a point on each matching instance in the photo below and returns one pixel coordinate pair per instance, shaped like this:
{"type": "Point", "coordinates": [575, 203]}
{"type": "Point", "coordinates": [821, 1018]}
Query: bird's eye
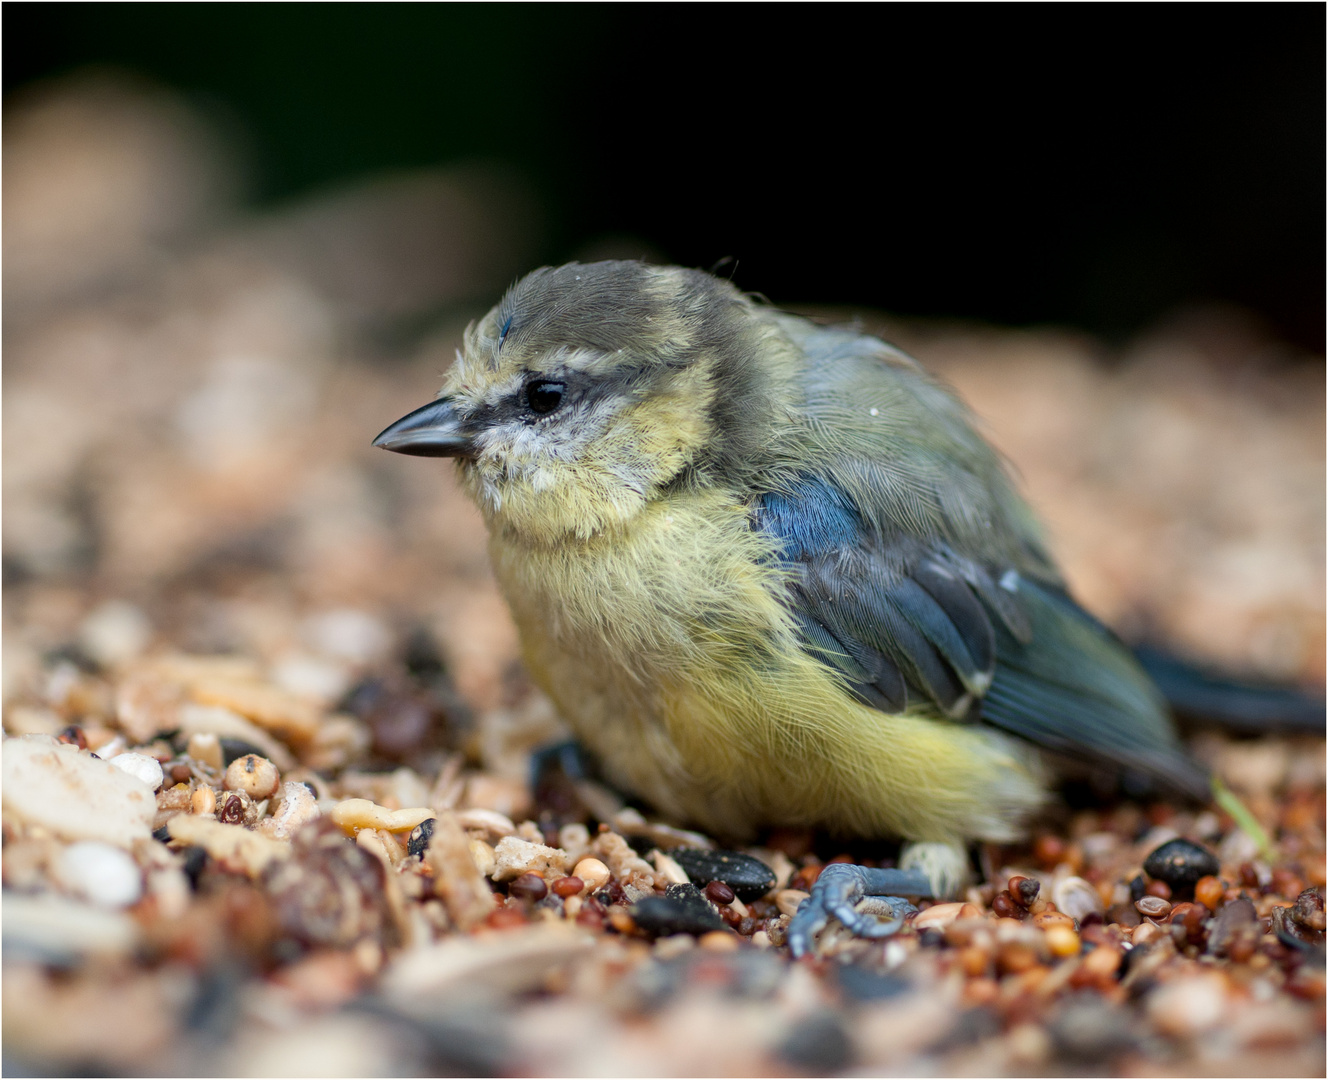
{"type": "Point", "coordinates": [545, 395]}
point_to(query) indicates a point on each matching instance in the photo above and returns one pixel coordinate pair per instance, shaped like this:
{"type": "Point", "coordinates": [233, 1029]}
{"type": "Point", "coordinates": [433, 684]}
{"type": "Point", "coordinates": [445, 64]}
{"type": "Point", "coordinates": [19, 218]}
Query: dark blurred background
{"type": "Point", "coordinates": [241, 239]}
{"type": "Point", "coordinates": [1089, 166]}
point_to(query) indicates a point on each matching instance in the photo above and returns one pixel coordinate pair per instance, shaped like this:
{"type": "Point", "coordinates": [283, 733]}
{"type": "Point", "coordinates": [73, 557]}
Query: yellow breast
{"type": "Point", "coordinates": [667, 649]}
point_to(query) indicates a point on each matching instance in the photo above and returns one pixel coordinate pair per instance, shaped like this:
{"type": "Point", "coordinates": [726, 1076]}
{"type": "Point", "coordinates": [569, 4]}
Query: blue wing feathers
{"type": "Point", "coordinates": [912, 625]}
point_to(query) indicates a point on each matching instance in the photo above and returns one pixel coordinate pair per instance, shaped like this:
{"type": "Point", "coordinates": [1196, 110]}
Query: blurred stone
{"type": "Point", "coordinates": [330, 892]}
{"type": "Point", "coordinates": [348, 634]}
{"type": "Point", "coordinates": [404, 244]}
{"type": "Point", "coordinates": [100, 873]}
{"type": "Point", "coordinates": [1189, 1005]}
{"type": "Point", "coordinates": [115, 633]}
{"type": "Point", "coordinates": [102, 169]}
{"type": "Point", "coordinates": [59, 930]}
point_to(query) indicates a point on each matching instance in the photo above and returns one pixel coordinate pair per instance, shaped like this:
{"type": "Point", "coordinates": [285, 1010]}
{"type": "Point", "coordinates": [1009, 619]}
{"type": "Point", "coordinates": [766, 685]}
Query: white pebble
{"type": "Point", "coordinates": [1077, 898]}
{"type": "Point", "coordinates": [297, 808]}
{"type": "Point", "coordinates": [1189, 1005]}
{"type": "Point", "coordinates": [102, 873]}
{"type": "Point", "coordinates": [147, 769]}
{"type": "Point", "coordinates": [312, 676]}
{"type": "Point", "coordinates": [56, 928]}
{"type": "Point", "coordinates": [73, 794]}
{"type": "Point", "coordinates": [593, 872]}
{"type": "Point", "coordinates": [347, 634]}
{"type": "Point", "coordinates": [514, 857]}
{"type": "Point", "coordinates": [115, 633]}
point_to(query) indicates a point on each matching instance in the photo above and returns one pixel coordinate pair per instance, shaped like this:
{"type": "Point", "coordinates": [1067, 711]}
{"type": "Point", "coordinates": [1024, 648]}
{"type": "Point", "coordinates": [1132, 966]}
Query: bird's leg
{"type": "Point", "coordinates": [854, 894]}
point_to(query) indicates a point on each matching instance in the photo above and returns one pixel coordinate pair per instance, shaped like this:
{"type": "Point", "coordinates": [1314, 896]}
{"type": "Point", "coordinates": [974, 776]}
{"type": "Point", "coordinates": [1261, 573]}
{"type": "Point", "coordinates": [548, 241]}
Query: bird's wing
{"type": "Point", "coordinates": [913, 624]}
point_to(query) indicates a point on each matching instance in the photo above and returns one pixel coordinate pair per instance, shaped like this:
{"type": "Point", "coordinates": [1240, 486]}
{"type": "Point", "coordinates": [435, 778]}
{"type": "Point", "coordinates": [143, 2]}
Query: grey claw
{"type": "Point", "coordinates": [837, 892]}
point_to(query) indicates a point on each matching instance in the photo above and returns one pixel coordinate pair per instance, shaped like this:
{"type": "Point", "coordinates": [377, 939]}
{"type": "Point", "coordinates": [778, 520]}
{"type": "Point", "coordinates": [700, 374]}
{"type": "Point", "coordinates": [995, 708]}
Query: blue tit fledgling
{"type": "Point", "coordinates": [771, 575]}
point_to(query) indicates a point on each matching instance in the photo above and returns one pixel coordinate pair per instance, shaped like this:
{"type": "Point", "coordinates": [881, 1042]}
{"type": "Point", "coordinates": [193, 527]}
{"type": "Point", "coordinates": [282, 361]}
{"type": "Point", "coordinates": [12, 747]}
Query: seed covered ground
{"type": "Point", "coordinates": [268, 804]}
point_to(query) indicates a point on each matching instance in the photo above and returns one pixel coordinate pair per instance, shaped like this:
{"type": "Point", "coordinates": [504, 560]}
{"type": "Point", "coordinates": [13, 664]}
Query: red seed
{"type": "Point", "coordinates": [1049, 850]}
{"type": "Point", "coordinates": [1159, 889]}
{"type": "Point", "coordinates": [528, 887]}
{"type": "Point", "coordinates": [232, 811]}
{"type": "Point", "coordinates": [1024, 890]}
{"type": "Point", "coordinates": [1003, 905]}
{"type": "Point", "coordinates": [719, 893]}
{"type": "Point", "coordinates": [567, 886]}
{"type": "Point", "coordinates": [181, 772]}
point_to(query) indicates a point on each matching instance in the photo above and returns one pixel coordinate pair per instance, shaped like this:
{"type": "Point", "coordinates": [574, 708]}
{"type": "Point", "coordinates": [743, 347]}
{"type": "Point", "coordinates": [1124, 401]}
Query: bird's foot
{"type": "Point", "coordinates": [853, 895]}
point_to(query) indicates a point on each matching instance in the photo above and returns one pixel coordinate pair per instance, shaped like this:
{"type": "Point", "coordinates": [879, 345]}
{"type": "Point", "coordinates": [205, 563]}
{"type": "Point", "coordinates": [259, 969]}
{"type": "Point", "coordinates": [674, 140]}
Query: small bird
{"type": "Point", "coordinates": [770, 574]}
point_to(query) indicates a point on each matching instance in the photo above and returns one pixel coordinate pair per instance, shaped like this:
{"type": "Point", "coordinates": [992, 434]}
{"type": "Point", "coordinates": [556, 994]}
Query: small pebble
{"type": "Point", "coordinates": [115, 633]}
{"type": "Point", "coordinates": [1049, 850]}
{"type": "Point", "coordinates": [1062, 940]}
{"type": "Point", "coordinates": [1152, 906]}
{"type": "Point", "coordinates": [1078, 899]}
{"type": "Point", "coordinates": [818, 1045]}
{"type": "Point", "coordinates": [1208, 891]}
{"type": "Point", "coordinates": [1102, 961]}
{"type": "Point", "coordinates": [231, 749]}
{"type": "Point", "coordinates": [419, 837]}
{"type": "Point", "coordinates": [567, 887]}
{"type": "Point", "coordinates": [205, 747]}
{"type": "Point", "coordinates": [528, 887]}
{"type": "Point", "coordinates": [789, 900]}
{"type": "Point", "coordinates": [1147, 933]}
{"type": "Point", "coordinates": [1159, 889]}
{"type": "Point", "coordinates": [1024, 890]}
{"type": "Point", "coordinates": [593, 872]}
{"type": "Point", "coordinates": [621, 920]}
{"type": "Point", "coordinates": [1181, 863]}
{"type": "Point", "coordinates": [102, 873]}
{"type": "Point", "coordinates": [718, 941]}
{"type": "Point", "coordinates": [147, 769]}
{"type": "Point", "coordinates": [298, 807]}
{"type": "Point", "coordinates": [1017, 956]}
{"type": "Point", "coordinates": [939, 916]}
{"type": "Point", "coordinates": [203, 801]}
{"type": "Point", "coordinates": [748, 877]}
{"type": "Point", "coordinates": [719, 893]}
{"type": "Point", "coordinates": [1192, 917]}
{"type": "Point", "coordinates": [255, 776]}
{"type": "Point", "coordinates": [1308, 910]}
{"type": "Point", "coordinates": [1044, 920]}
{"type": "Point", "coordinates": [1189, 1005]}
{"type": "Point", "coordinates": [681, 910]}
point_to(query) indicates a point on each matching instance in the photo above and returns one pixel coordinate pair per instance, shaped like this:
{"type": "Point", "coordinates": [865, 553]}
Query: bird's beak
{"type": "Point", "coordinates": [436, 430]}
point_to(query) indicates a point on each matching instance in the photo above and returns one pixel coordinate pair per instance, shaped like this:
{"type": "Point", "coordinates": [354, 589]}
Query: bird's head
{"type": "Point", "coordinates": [591, 388]}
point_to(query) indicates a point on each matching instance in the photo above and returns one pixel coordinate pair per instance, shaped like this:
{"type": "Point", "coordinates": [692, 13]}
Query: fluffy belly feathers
{"type": "Point", "coordinates": [682, 672]}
